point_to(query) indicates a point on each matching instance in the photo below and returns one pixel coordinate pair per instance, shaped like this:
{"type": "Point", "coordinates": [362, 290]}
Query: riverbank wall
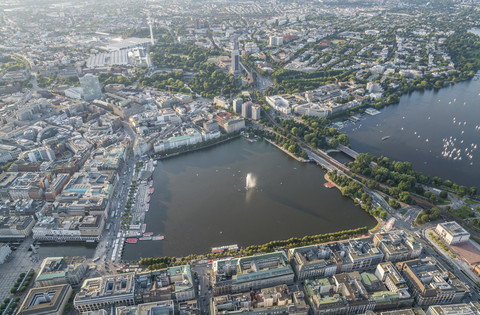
{"type": "Point", "coordinates": [299, 159]}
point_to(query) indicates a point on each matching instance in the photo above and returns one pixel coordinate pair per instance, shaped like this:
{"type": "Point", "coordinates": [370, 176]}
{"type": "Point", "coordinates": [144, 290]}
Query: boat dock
{"type": "Point", "coordinates": [118, 247]}
{"type": "Point", "coordinates": [329, 185]}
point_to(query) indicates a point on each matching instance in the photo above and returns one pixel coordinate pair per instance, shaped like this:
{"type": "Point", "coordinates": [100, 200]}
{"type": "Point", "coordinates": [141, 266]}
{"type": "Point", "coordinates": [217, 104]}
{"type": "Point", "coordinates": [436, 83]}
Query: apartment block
{"type": "Point", "coordinates": [396, 245]}
{"type": "Point", "coordinates": [252, 272]}
{"type": "Point", "coordinates": [430, 283]}
{"type": "Point", "coordinates": [49, 300]}
{"type": "Point", "coordinates": [274, 300]}
{"type": "Point", "coordinates": [102, 292]}
{"type": "Point", "coordinates": [61, 270]}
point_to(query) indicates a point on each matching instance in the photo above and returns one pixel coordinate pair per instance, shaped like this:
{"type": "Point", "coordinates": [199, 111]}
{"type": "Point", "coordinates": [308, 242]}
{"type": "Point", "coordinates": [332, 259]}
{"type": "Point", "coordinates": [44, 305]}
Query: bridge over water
{"type": "Point", "coordinates": [347, 151]}
{"type": "Point", "coordinates": [320, 161]}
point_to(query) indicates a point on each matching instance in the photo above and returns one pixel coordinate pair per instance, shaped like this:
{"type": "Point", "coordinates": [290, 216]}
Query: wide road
{"type": "Point", "coordinates": [204, 294]}
{"type": "Point", "coordinates": [120, 195]}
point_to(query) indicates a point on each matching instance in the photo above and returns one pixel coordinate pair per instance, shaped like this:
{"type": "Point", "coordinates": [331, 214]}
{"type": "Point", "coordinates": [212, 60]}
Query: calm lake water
{"type": "Point", "coordinates": [424, 128]}
{"type": "Point", "coordinates": [200, 201]}
{"type": "Point", "coordinates": [69, 249]}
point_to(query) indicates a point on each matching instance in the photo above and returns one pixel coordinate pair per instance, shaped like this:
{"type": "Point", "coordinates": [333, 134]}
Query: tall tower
{"type": "Point", "coordinates": [235, 68]}
{"type": "Point", "coordinates": [91, 87]}
{"type": "Point", "coordinates": [150, 22]}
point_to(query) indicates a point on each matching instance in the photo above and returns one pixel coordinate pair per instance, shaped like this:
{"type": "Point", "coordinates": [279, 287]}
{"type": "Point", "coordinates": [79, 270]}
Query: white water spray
{"type": "Point", "coordinates": [250, 181]}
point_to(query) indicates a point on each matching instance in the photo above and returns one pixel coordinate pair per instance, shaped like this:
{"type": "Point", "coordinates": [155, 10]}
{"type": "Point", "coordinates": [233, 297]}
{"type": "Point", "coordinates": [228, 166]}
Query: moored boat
{"type": "Point", "coordinates": [148, 234]}
{"type": "Point", "coordinates": [224, 248]}
{"type": "Point", "coordinates": [146, 238]}
{"type": "Point", "coordinates": [132, 240]}
{"type": "Point", "coordinates": [158, 238]}
{"type": "Point", "coordinates": [144, 227]}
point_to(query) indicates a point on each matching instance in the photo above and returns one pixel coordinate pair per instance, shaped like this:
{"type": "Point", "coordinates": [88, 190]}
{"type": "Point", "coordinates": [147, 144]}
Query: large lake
{"type": "Point", "coordinates": [424, 128]}
{"type": "Point", "coordinates": [200, 201]}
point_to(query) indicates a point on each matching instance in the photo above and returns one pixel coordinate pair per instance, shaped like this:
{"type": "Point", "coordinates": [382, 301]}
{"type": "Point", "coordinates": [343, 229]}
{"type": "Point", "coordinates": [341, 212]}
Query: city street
{"type": "Point", "coordinates": [118, 202]}
{"type": "Point", "coordinates": [204, 294]}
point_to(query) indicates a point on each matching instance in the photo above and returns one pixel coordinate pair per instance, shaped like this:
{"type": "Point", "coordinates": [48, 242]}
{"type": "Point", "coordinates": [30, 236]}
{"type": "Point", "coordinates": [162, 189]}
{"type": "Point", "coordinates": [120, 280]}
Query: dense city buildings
{"type": "Point", "coordinates": [351, 293]}
{"type": "Point", "coordinates": [69, 228]}
{"type": "Point", "coordinates": [253, 272]}
{"type": "Point", "coordinates": [430, 283]}
{"type": "Point", "coordinates": [95, 94]}
{"type": "Point", "coordinates": [16, 227]}
{"type": "Point", "coordinates": [397, 245]}
{"type": "Point", "coordinates": [328, 259]}
{"type": "Point", "coordinates": [274, 300]}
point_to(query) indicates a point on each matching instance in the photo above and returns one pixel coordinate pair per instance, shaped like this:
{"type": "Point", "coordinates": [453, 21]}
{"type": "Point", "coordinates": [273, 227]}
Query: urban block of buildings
{"type": "Point", "coordinates": [252, 272]}
{"type": "Point", "coordinates": [61, 270]}
{"type": "Point", "coordinates": [452, 233]}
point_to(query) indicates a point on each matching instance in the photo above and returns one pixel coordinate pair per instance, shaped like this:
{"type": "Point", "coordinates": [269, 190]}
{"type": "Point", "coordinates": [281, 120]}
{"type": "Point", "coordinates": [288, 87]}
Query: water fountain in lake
{"type": "Point", "coordinates": [250, 181]}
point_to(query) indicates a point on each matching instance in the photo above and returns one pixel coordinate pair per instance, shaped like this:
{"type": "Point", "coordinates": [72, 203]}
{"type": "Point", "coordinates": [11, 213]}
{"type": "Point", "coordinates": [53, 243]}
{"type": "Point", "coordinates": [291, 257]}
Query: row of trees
{"type": "Point", "coordinates": [24, 280]}
{"type": "Point", "coordinates": [288, 144]}
{"type": "Point", "coordinates": [306, 240]}
{"type": "Point", "coordinates": [354, 190]}
{"type": "Point", "coordinates": [127, 212]}
{"type": "Point", "coordinates": [12, 307]}
{"type": "Point", "coordinates": [163, 262]}
{"type": "Point", "coordinates": [157, 262]}
{"type": "Point", "coordinates": [443, 246]}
